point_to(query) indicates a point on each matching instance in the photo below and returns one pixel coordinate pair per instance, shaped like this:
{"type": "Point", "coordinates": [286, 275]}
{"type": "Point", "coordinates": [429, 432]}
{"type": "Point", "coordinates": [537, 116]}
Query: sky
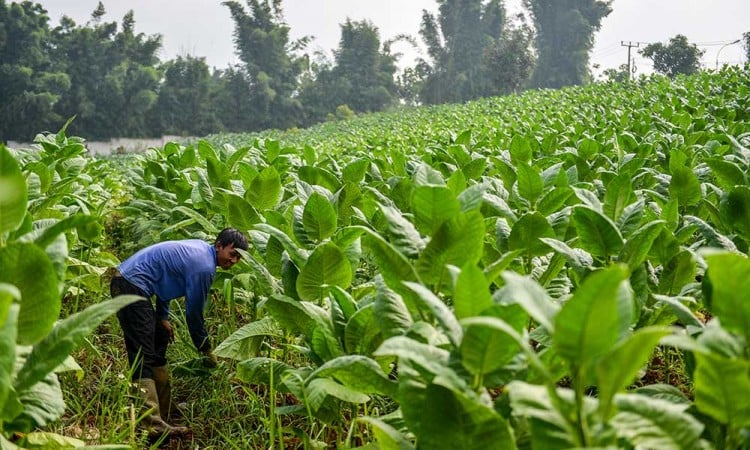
{"type": "Point", "coordinates": [205, 28]}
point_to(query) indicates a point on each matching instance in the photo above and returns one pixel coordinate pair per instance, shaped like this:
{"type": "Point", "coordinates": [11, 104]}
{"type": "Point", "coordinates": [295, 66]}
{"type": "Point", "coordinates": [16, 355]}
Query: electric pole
{"type": "Point", "coordinates": [629, 45]}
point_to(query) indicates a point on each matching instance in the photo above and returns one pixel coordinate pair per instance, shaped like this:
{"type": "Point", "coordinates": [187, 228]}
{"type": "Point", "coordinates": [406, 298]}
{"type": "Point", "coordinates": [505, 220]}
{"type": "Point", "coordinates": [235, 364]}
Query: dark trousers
{"type": "Point", "coordinates": [146, 339]}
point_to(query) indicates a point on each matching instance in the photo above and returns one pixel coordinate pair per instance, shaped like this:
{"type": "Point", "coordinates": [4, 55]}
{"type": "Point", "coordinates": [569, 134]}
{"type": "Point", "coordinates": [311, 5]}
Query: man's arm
{"type": "Point", "coordinates": [197, 287]}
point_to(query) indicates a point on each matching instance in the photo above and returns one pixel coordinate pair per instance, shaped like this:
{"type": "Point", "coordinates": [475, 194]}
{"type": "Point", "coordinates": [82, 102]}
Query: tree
{"type": "Point", "coordinates": [262, 43]}
{"type": "Point", "coordinates": [31, 83]}
{"type": "Point", "coordinates": [746, 44]}
{"type": "Point", "coordinates": [678, 57]}
{"type": "Point", "coordinates": [510, 60]}
{"type": "Point", "coordinates": [114, 80]}
{"type": "Point", "coordinates": [185, 103]}
{"type": "Point", "coordinates": [456, 42]}
{"type": "Point", "coordinates": [564, 37]}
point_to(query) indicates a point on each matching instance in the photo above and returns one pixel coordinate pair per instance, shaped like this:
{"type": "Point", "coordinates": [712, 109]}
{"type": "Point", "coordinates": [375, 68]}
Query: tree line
{"type": "Point", "coordinates": [109, 77]}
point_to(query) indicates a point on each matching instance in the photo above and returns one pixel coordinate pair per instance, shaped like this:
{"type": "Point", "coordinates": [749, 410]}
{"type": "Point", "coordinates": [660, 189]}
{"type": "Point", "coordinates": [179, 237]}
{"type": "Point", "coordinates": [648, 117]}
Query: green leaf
{"type": "Point", "coordinates": [457, 242]}
{"type": "Point", "coordinates": [403, 234]}
{"type": "Point", "coordinates": [319, 217]}
{"type": "Point", "coordinates": [13, 193]}
{"type": "Point", "coordinates": [391, 312]}
{"type": "Point", "coordinates": [472, 293]}
{"type": "Point", "coordinates": [357, 372]}
{"type": "Point", "coordinates": [618, 196]}
{"type": "Point", "coordinates": [69, 333]}
{"type": "Point", "coordinates": [653, 423]}
{"type": "Point", "coordinates": [442, 314]}
{"type": "Point", "coordinates": [721, 389]}
{"type": "Point", "coordinates": [362, 334]}
{"type": "Point", "coordinates": [597, 233]}
{"type": "Point", "coordinates": [393, 264]}
{"type": "Point", "coordinates": [296, 316]}
{"type": "Point", "coordinates": [427, 357]}
{"type": "Point", "coordinates": [264, 191]}
{"type": "Point", "coordinates": [578, 258]}
{"type": "Point", "coordinates": [28, 267]}
{"type": "Point", "coordinates": [532, 298]}
{"type": "Point", "coordinates": [387, 437]}
{"type": "Point", "coordinates": [727, 174]}
{"type": "Point", "coordinates": [588, 325]}
{"type": "Point", "coordinates": [527, 232]}
{"type": "Point", "coordinates": [355, 171]}
{"type": "Point", "coordinates": [485, 348]}
{"type": "Point", "coordinates": [679, 271]}
{"type": "Point", "coordinates": [433, 205]}
{"type": "Point", "coordinates": [449, 418]}
{"type": "Point", "coordinates": [636, 248]}
{"type": "Point", "coordinates": [240, 213]}
{"type": "Point", "coordinates": [530, 185]}
{"type": "Point", "coordinates": [42, 404]}
{"type": "Point", "coordinates": [7, 347]}
{"type": "Point", "coordinates": [296, 254]}
{"type": "Point", "coordinates": [685, 186]}
{"type": "Point", "coordinates": [319, 388]}
{"type": "Point", "coordinates": [616, 370]}
{"type": "Point", "coordinates": [326, 266]}
{"type": "Point", "coordinates": [262, 370]}
{"type": "Point", "coordinates": [549, 428]}
{"type": "Point", "coordinates": [520, 150]}
{"type": "Point", "coordinates": [729, 275]}
{"type": "Point", "coordinates": [245, 343]}
{"type": "Point", "coordinates": [735, 210]}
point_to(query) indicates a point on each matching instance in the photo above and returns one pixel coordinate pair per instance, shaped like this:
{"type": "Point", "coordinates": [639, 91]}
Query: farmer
{"type": "Point", "coordinates": [168, 270]}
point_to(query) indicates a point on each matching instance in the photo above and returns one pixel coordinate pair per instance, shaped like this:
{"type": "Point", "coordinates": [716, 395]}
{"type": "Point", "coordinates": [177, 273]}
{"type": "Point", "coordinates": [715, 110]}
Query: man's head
{"type": "Point", "coordinates": [227, 243]}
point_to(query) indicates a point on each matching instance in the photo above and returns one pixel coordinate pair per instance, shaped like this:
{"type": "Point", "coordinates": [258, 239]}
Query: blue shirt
{"type": "Point", "coordinates": [175, 269]}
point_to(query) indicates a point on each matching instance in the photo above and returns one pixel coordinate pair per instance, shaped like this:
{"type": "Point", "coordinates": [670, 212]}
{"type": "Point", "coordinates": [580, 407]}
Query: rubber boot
{"type": "Point", "coordinates": [169, 409]}
{"type": "Point", "coordinates": [154, 423]}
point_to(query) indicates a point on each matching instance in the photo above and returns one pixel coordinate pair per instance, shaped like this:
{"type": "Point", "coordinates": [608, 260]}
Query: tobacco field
{"type": "Point", "coordinates": [553, 270]}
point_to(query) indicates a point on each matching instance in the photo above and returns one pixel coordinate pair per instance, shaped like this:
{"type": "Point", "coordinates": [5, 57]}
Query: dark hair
{"type": "Point", "coordinates": [231, 236]}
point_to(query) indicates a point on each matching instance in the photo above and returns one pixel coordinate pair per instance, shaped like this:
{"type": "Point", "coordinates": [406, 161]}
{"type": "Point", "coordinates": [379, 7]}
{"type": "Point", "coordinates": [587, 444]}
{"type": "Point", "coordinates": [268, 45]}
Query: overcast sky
{"type": "Point", "coordinates": [204, 27]}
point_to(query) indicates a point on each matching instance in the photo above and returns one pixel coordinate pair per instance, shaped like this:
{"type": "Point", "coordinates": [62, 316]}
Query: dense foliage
{"type": "Point", "coordinates": [677, 57]}
{"type": "Point", "coordinates": [560, 269]}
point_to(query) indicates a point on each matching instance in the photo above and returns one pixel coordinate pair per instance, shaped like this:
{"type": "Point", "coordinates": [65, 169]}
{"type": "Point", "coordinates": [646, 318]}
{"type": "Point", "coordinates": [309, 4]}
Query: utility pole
{"type": "Point", "coordinates": [629, 45]}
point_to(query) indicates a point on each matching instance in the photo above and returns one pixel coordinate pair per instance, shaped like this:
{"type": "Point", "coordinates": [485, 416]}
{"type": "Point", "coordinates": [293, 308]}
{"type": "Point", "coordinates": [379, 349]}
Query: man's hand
{"type": "Point", "coordinates": [170, 331]}
{"type": "Point", "coordinates": [209, 359]}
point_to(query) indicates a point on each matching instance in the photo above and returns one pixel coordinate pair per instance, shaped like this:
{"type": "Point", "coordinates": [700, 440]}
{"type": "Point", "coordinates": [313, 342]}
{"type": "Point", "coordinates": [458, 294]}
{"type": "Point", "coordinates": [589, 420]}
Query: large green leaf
{"type": "Point", "coordinates": [527, 232]}
{"type": "Point", "coordinates": [240, 213]}
{"type": "Point", "coordinates": [296, 316]}
{"type": "Point", "coordinates": [13, 193]}
{"type": "Point", "coordinates": [28, 267]}
{"type": "Point", "coordinates": [245, 343]}
{"type": "Point", "coordinates": [727, 174]}
{"type": "Point", "coordinates": [735, 210]}
{"type": "Point", "coordinates": [358, 372]}
{"type": "Point", "coordinates": [458, 241]}
{"type": "Point", "coordinates": [721, 388]}
{"type": "Point", "coordinates": [472, 293]}
{"type": "Point", "coordinates": [391, 311]}
{"type": "Point", "coordinates": [318, 389]}
{"type": "Point", "coordinates": [326, 266]}
{"type": "Point", "coordinates": [531, 296]}
{"type": "Point", "coordinates": [484, 348]}
{"type": "Point", "coordinates": [427, 357]}
{"type": "Point", "coordinates": [618, 196]}
{"type": "Point", "coordinates": [654, 423]}
{"type": "Point", "coordinates": [589, 324]}
{"type": "Point", "coordinates": [729, 276]}
{"type": "Point", "coordinates": [685, 186]}
{"type": "Point", "coordinates": [677, 272]}
{"type": "Point", "coordinates": [636, 248]}
{"type": "Point", "coordinates": [440, 311]}
{"type": "Point", "coordinates": [617, 369]}
{"type": "Point", "coordinates": [7, 347]}
{"type": "Point", "coordinates": [433, 205]}
{"type": "Point", "coordinates": [529, 182]}
{"type": "Point", "coordinates": [549, 426]}
{"type": "Point", "coordinates": [42, 404]}
{"type": "Point", "coordinates": [264, 191]}
{"type": "Point", "coordinates": [449, 418]}
{"type": "Point", "coordinates": [402, 233]}
{"type": "Point", "coordinates": [597, 233]}
{"type": "Point", "coordinates": [68, 334]}
{"type": "Point", "coordinates": [319, 217]}
{"type": "Point", "coordinates": [392, 264]}
{"type": "Point", "coordinates": [362, 334]}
